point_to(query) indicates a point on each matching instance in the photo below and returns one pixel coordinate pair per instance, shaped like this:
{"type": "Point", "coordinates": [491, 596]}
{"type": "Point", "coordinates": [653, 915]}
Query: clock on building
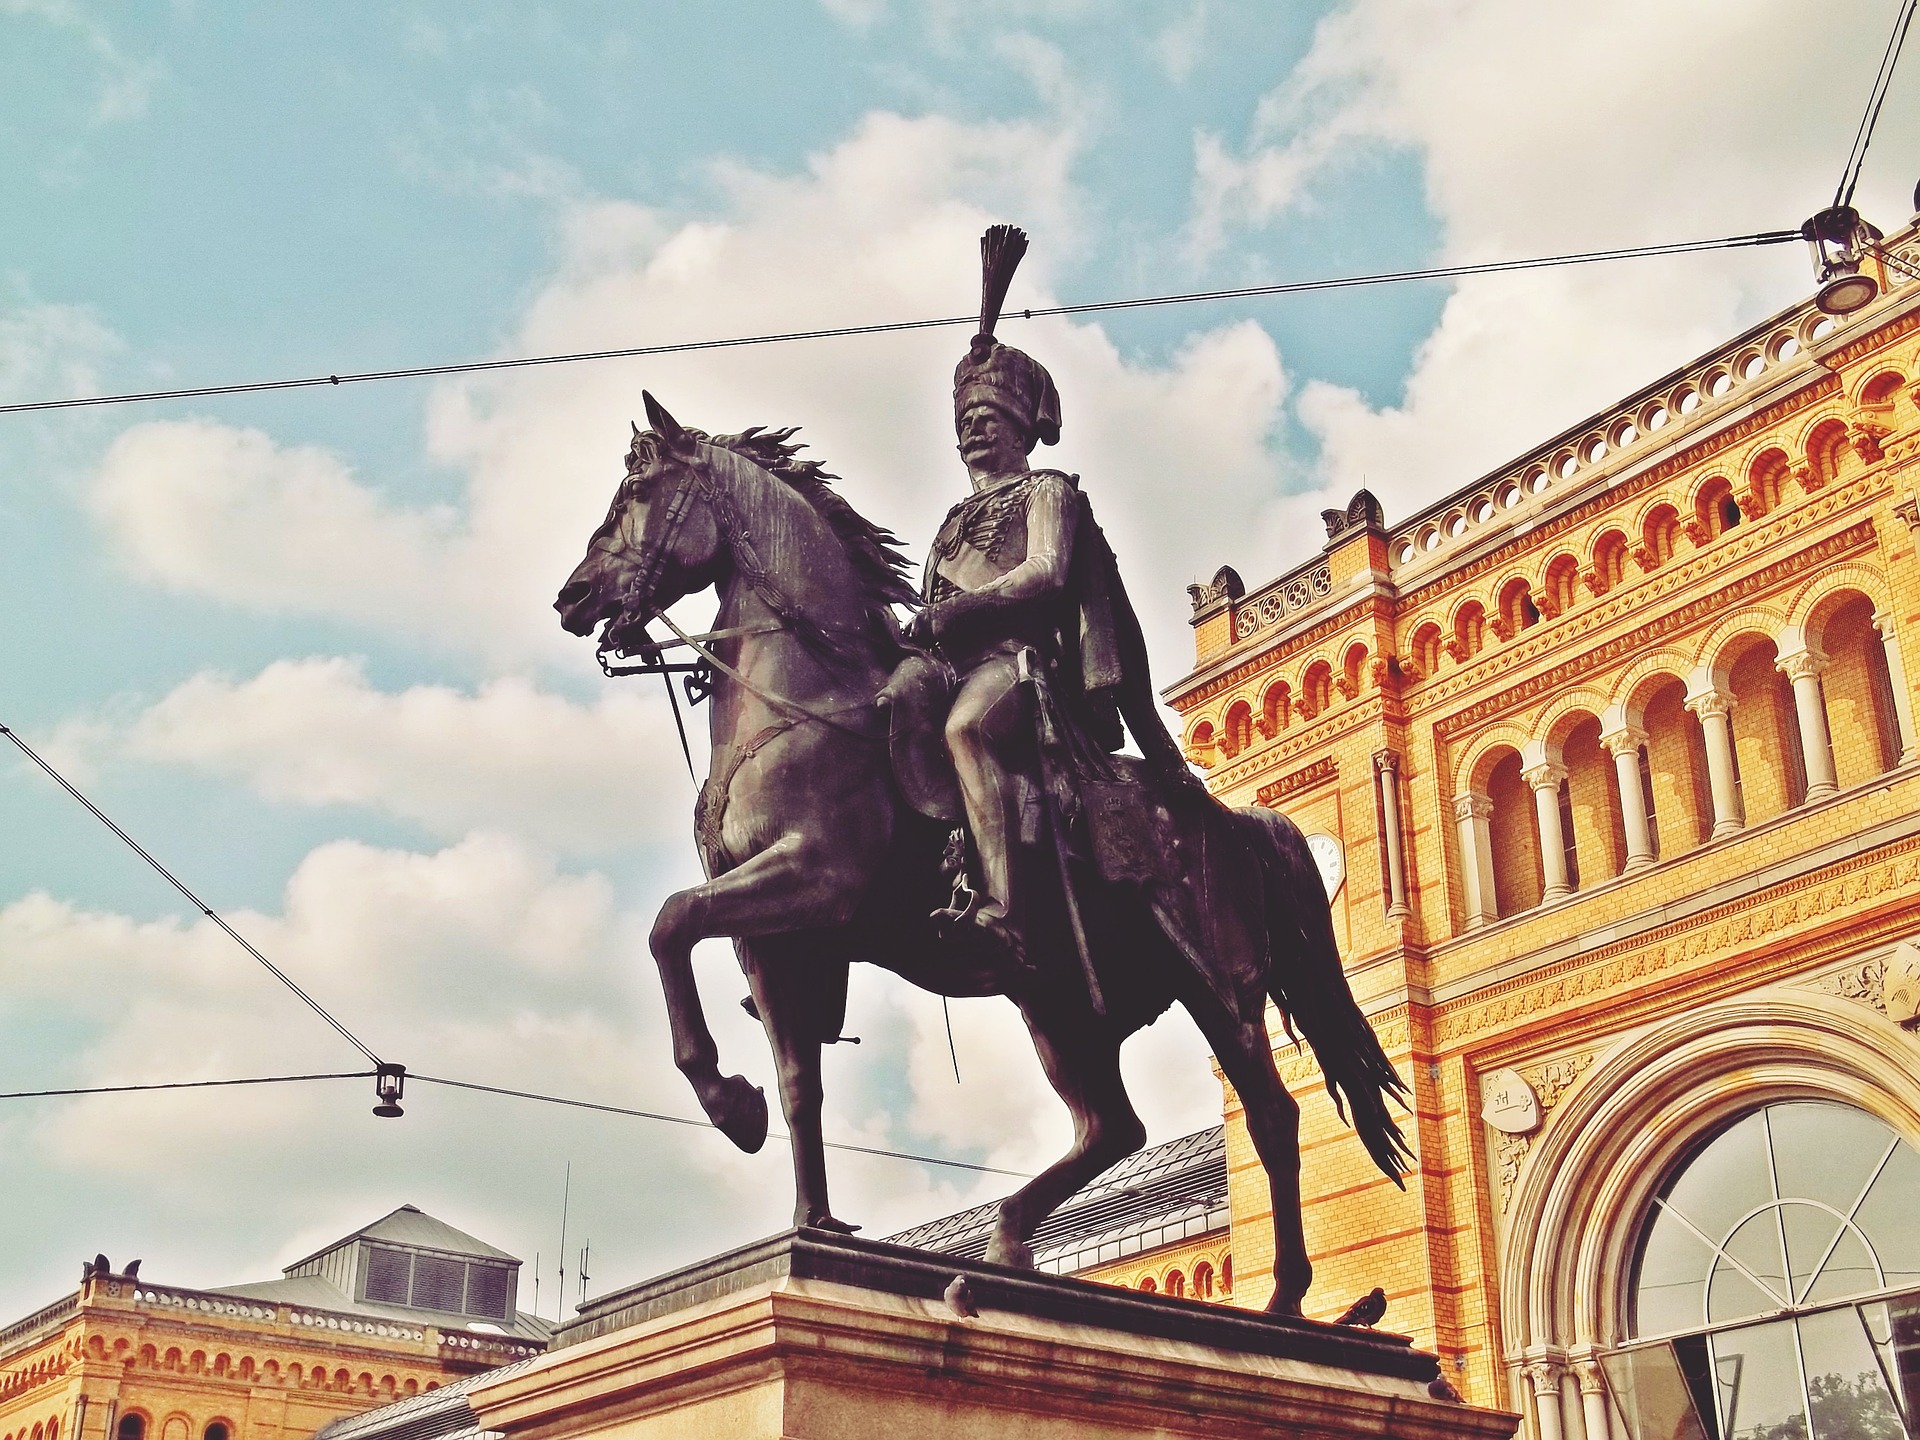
{"type": "Point", "coordinates": [1332, 860]}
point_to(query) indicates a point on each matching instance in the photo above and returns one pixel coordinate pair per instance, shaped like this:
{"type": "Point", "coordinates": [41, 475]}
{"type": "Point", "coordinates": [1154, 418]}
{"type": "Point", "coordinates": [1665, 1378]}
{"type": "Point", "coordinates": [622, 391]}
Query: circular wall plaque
{"type": "Point", "coordinates": [1332, 860]}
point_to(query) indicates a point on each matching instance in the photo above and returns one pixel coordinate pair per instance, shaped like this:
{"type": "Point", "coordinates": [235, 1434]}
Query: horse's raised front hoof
{"type": "Point", "coordinates": [829, 1223]}
{"type": "Point", "coordinates": [739, 1112]}
{"type": "Point", "coordinates": [1284, 1305]}
{"type": "Point", "coordinates": [1003, 1250]}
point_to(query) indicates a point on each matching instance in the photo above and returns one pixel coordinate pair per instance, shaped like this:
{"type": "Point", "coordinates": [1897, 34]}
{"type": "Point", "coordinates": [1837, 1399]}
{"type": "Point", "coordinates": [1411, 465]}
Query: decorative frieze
{"type": "Point", "coordinates": [1325, 768]}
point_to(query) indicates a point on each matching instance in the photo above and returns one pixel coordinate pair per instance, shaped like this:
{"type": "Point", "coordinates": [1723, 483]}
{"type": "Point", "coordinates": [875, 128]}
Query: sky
{"type": "Point", "coordinates": [300, 644]}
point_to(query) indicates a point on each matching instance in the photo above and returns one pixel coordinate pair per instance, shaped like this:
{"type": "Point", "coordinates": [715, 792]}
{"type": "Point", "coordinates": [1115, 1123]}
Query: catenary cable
{"type": "Point", "coordinates": [1090, 307]}
{"type": "Point", "coordinates": [1876, 97]}
{"type": "Point", "coordinates": [183, 1085]}
{"type": "Point", "coordinates": [198, 904]}
{"type": "Point", "coordinates": [709, 1125]}
{"type": "Point", "coordinates": [149, 1087]}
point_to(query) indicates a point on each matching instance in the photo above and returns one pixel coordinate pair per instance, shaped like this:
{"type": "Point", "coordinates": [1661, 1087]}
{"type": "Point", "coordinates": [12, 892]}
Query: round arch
{"type": "Point", "coordinates": [1579, 1197]}
{"type": "Point", "coordinates": [1629, 690]}
{"type": "Point", "coordinates": [1812, 597]}
{"type": "Point", "coordinates": [1469, 773]}
{"type": "Point", "coordinates": [1761, 620]}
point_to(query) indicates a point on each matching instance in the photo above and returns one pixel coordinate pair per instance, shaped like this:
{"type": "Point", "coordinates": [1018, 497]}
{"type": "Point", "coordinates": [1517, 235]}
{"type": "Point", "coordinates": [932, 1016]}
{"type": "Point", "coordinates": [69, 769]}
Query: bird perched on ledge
{"type": "Point", "coordinates": [1367, 1310]}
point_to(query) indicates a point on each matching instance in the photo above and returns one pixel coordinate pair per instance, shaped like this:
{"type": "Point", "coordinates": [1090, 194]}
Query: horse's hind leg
{"type": "Point", "coordinates": [1082, 1061]}
{"type": "Point", "coordinates": [1273, 1122]}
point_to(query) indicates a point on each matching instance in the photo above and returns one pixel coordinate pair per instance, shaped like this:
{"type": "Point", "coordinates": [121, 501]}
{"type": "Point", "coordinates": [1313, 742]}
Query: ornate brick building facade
{"type": "Point", "coordinates": [1612, 758]}
{"type": "Point", "coordinates": [393, 1310]}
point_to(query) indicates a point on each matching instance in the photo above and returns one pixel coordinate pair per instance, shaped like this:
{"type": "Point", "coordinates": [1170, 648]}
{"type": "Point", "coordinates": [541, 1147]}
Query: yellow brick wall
{"type": "Point", "coordinates": [1826, 482]}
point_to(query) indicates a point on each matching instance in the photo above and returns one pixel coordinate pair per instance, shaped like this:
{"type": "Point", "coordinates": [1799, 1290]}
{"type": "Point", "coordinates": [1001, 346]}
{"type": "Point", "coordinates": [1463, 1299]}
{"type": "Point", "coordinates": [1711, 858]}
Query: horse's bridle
{"type": "Point", "coordinates": [637, 594]}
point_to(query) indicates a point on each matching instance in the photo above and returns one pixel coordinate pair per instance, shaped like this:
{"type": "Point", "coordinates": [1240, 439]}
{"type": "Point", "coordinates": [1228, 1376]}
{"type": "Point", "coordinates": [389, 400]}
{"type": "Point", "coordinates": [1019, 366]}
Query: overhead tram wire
{"type": "Point", "coordinates": [1090, 307]}
{"type": "Point", "coordinates": [182, 1085]}
{"type": "Point", "coordinates": [1876, 97]}
{"type": "Point", "coordinates": [571, 1103]}
{"type": "Point", "coordinates": [708, 1124]}
{"type": "Point", "coordinates": [198, 904]}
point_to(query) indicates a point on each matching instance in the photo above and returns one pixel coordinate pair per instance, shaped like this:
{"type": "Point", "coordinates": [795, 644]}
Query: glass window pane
{"type": "Point", "coordinates": [1811, 1230]}
{"type": "Point", "coordinates": [1731, 1296]}
{"type": "Point", "coordinates": [1651, 1390]}
{"type": "Point", "coordinates": [1825, 1152]}
{"type": "Point", "coordinates": [1850, 1399]}
{"type": "Point", "coordinates": [1893, 1328]}
{"type": "Point", "coordinates": [1891, 1217]}
{"type": "Point", "coordinates": [1726, 1180]}
{"type": "Point", "coordinates": [1757, 1383]}
{"type": "Point", "coordinates": [1849, 1272]}
{"type": "Point", "coordinates": [1756, 1246]}
{"type": "Point", "coordinates": [1670, 1290]}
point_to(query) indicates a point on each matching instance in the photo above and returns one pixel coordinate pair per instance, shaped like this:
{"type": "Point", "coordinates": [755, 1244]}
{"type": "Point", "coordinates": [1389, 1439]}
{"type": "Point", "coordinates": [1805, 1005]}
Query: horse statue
{"type": "Point", "coordinates": [815, 860]}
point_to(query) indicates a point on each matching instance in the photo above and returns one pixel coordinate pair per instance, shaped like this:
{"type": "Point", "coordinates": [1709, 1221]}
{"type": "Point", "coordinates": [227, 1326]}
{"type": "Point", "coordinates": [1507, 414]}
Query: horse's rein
{"type": "Point", "coordinates": [791, 708]}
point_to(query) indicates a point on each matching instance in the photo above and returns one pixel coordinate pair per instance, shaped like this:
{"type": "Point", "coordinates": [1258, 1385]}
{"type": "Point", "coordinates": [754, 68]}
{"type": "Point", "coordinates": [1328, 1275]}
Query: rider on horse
{"type": "Point", "coordinates": [1020, 576]}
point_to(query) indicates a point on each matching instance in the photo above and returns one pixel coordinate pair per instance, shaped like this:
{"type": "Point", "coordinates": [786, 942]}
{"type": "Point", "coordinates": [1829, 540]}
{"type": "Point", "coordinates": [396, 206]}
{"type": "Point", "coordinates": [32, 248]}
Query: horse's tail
{"type": "Point", "coordinates": [1306, 980]}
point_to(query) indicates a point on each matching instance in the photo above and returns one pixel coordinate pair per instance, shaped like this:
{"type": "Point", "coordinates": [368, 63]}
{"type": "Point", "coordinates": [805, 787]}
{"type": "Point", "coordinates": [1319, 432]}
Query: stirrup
{"type": "Point", "coordinates": [958, 910]}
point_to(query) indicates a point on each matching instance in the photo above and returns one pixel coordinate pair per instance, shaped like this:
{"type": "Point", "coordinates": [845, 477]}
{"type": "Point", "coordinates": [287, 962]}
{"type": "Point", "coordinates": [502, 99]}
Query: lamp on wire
{"type": "Point", "coordinates": [1838, 238]}
{"type": "Point", "coordinates": [389, 1084]}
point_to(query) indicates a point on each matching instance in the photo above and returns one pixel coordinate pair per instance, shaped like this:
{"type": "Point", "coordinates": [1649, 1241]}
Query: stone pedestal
{"type": "Point", "coordinates": [811, 1336]}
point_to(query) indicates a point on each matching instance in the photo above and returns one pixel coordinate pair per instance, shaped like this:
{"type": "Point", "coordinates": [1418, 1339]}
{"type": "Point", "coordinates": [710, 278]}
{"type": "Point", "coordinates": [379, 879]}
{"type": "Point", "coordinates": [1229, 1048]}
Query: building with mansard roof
{"type": "Point", "coordinates": [1611, 763]}
{"type": "Point", "coordinates": [1158, 1221]}
{"type": "Point", "coordinates": [397, 1309]}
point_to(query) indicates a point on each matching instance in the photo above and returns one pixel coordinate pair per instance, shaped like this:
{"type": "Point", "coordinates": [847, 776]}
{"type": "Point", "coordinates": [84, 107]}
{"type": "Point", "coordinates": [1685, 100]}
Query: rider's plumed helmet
{"type": "Point", "coordinates": [1009, 380]}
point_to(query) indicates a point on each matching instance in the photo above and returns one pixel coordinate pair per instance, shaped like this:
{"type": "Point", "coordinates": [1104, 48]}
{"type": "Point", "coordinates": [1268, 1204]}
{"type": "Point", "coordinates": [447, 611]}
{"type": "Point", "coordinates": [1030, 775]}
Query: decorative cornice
{"type": "Point", "coordinates": [1322, 769]}
{"type": "Point", "coordinates": [1264, 658]}
{"type": "Point", "coordinates": [1701, 451]}
{"type": "Point", "coordinates": [1892, 872]}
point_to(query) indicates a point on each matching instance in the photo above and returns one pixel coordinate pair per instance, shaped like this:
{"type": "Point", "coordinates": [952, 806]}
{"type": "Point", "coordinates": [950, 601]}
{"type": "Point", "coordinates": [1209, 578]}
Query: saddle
{"type": "Point", "coordinates": [1123, 826]}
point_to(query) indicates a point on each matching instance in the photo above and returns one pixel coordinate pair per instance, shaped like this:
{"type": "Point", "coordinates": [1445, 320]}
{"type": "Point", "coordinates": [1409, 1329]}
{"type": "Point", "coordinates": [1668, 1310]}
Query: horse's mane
{"type": "Point", "coordinates": [873, 550]}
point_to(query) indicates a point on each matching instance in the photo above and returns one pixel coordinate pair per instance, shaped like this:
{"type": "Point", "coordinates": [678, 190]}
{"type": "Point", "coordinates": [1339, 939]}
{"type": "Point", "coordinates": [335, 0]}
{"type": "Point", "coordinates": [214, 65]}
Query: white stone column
{"type": "Point", "coordinates": [1546, 779]}
{"type": "Point", "coordinates": [1386, 774]}
{"type": "Point", "coordinates": [1803, 667]}
{"type": "Point", "coordinates": [1624, 745]}
{"type": "Point", "coordinates": [1471, 812]}
{"type": "Point", "coordinates": [1596, 1408]}
{"type": "Point", "coordinates": [1715, 709]}
{"type": "Point", "coordinates": [1544, 1377]}
{"type": "Point", "coordinates": [1897, 673]}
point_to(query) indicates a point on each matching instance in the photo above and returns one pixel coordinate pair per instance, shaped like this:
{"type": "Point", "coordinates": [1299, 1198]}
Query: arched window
{"type": "Point", "coordinates": [216, 1431]}
{"type": "Point", "coordinates": [1226, 1275]}
{"type": "Point", "coordinates": [1780, 1264]}
{"type": "Point", "coordinates": [132, 1426]}
{"type": "Point", "coordinates": [1203, 1281]}
{"type": "Point", "coordinates": [1176, 1284]}
{"type": "Point", "coordinates": [1150, 1285]}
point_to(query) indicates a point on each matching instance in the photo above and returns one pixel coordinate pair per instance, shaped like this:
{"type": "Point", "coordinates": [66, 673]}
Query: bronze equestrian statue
{"type": "Point", "coordinates": [949, 801]}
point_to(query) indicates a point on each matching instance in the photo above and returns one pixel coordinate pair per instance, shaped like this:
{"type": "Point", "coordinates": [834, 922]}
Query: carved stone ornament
{"type": "Point", "coordinates": [1901, 985]}
{"type": "Point", "coordinates": [1509, 1103]}
{"type": "Point", "coordinates": [1331, 857]}
{"type": "Point", "coordinates": [1547, 1082]}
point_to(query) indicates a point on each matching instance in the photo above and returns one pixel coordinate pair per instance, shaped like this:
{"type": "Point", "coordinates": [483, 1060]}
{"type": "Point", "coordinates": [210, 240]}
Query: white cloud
{"type": "Point", "coordinates": [1542, 130]}
{"type": "Point", "coordinates": [1180, 44]}
{"type": "Point", "coordinates": [508, 756]}
{"type": "Point", "coordinates": [480, 962]}
{"type": "Point", "coordinates": [50, 351]}
{"type": "Point", "coordinates": [880, 227]}
{"type": "Point", "coordinates": [126, 83]}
